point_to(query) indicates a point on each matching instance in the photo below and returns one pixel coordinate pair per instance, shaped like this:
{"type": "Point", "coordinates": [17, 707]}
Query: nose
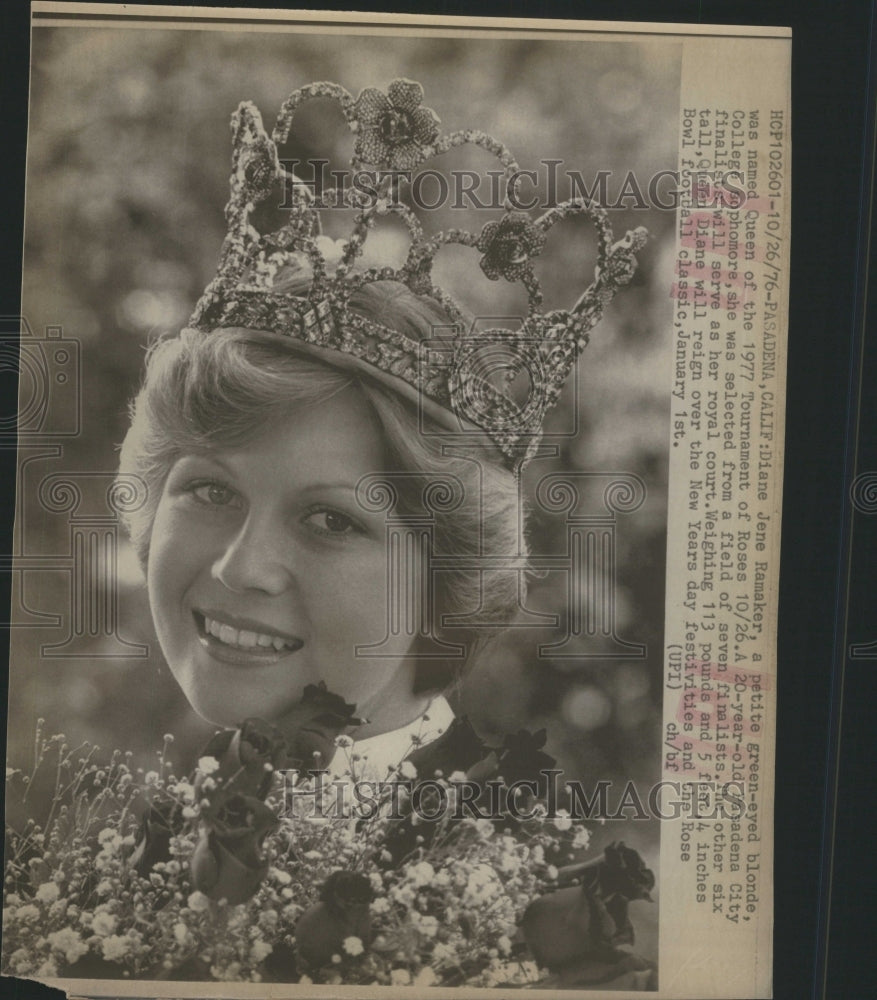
{"type": "Point", "coordinates": [254, 559]}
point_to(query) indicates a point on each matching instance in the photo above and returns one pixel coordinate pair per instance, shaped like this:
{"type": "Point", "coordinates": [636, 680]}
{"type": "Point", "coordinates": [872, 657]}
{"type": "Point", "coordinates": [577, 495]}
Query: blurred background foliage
{"type": "Point", "coordinates": [128, 166]}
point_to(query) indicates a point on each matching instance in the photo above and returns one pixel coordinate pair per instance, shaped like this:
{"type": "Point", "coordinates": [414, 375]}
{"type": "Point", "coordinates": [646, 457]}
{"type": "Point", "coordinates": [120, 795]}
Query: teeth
{"type": "Point", "coordinates": [244, 638]}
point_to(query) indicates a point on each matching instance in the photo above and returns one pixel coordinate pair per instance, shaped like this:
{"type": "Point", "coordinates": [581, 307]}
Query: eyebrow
{"type": "Point", "coordinates": [209, 456]}
{"type": "Point", "coordinates": [330, 486]}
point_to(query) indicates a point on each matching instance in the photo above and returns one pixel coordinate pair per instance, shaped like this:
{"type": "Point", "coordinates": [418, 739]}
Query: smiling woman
{"type": "Point", "coordinates": [334, 532]}
{"type": "Point", "coordinates": [266, 543]}
{"type": "Point", "coordinates": [266, 571]}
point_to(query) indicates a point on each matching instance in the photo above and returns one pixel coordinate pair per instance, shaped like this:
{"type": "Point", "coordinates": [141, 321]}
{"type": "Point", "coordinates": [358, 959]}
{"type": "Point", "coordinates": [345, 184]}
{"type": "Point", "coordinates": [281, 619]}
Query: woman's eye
{"type": "Point", "coordinates": [331, 522]}
{"type": "Point", "coordinates": [214, 495]}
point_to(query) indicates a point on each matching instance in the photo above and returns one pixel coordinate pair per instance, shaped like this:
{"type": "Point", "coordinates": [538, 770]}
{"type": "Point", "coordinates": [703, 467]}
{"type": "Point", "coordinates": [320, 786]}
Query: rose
{"type": "Point", "coordinates": [588, 921]}
{"type": "Point", "coordinates": [521, 758]}
{"type": "Point", "coordinates": [161, 821]}
{"type": "Point", "coordinates": [342, 912]}
{"type": "Point", "coordinates": [457, 749]}
{"type": "Point", "coordinates": [246, 757]}
{"type": "Point", "coordinates": [311, 728]}
{"type": "Point", "coordinates": [625, 873]}
{"type": "Point", "coordinates": [227, 862]}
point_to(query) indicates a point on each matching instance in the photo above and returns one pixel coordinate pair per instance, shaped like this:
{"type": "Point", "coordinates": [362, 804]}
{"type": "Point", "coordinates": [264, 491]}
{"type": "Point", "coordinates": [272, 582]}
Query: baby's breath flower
{"type": "Point", "coordinates": [400, 977]}
{"type": "Point", "coordinates": [403, 894]}
{"type": "Point", "coordinates": [353, 945]}
{"type": "Point", "coordinates": [422, 873]}
{"type": "Point", "coordinates": [408, 770]}
{"type": "Point", "coordinates": [562, 820]}
{"type": "Point", "coordinates": [48, 968]}
{"type": "Point", "coordinates": [103, 924]}
{"type": "Point", "coordinates": [443, 952]}
{"type": "Point", "coordinates": [116, 946]}
{"type": "Point", "coordinates": [260, 950]}
{"type": "Point", "coordinates": [484, 828]}
{"type": "Point", "coordinates": [69, 943]}
{"type": "Point", "coordinates": [581, 838]}
{"type": "Point", "coordinates": [280, 876]}
{"type": "Point", "coordinates": [109, 838]}
{"type": "Point", "coordinates": [184, 790]}
{"type": "Point", "coordinates": [48, 892]}
{"type": "Point", "coordinates": [198, 902]}
{"type": "Point", "coordinates": [207, 765]}
{"type": "Point", "coordinates": [426, 977]}
{"type": "Point", "coordinates": [380, 905]}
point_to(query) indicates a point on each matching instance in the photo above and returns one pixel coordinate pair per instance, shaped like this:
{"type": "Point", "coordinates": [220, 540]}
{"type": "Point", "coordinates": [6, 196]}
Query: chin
{"type": "Point", "coordinates": [225, 712]}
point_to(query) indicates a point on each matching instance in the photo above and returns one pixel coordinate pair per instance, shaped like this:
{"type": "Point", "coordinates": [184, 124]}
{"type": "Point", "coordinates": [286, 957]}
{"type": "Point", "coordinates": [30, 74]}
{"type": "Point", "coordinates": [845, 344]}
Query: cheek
{"type": "Point", "coordinates": [348, 601]}
{"type": "Point", "coordinates": [173, 556]}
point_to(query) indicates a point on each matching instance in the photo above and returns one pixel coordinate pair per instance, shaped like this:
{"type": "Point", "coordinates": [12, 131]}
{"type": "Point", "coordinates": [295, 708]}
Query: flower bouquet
{"type": "Point", "coordinates": [255, 868]}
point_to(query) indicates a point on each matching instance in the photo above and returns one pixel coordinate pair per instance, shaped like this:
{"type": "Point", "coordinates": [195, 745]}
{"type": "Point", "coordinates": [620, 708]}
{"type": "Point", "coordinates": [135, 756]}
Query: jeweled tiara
{"type": "Point", "coordinates": [453, 376]}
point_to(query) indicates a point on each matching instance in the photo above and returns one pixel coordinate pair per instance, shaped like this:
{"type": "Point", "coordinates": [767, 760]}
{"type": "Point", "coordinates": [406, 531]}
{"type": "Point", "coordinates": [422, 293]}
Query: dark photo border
{"type": "Point", "coordinates": [825, 756]}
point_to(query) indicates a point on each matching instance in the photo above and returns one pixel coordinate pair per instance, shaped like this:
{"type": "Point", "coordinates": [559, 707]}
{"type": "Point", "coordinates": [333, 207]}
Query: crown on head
{"type": "Point", "coordinates": [394, 134]}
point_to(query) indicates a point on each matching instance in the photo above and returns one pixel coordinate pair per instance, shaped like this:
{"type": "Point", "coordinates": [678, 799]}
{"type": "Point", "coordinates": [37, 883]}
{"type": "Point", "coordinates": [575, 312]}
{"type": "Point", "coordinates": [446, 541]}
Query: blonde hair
{"type": "Point", "coordinates": [206, 391]}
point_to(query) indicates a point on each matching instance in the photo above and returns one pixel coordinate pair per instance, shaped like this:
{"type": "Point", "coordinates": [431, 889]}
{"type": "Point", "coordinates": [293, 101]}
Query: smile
{"type": "Point", "coordinates": [251, 637]}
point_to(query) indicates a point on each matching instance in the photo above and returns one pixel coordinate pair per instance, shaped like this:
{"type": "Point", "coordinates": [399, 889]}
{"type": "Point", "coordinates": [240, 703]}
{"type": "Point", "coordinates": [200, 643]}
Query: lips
{"type": "Point", "coordinates": [236, 636]}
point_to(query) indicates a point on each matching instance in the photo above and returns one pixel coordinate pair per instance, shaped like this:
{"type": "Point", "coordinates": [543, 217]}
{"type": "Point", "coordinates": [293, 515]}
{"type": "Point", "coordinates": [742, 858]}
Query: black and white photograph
{"type": "Point", "coordinates": [353, 366]}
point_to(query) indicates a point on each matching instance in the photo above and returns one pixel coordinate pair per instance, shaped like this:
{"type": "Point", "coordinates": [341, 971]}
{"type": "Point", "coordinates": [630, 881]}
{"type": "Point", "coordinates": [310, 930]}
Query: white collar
{"type": "Point", "coordinates": [376, 755]}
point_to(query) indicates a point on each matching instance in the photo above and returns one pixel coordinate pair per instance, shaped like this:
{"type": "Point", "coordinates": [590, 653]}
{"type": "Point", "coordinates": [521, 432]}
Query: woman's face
{"type": "Point", "coordinates": [265, 574]}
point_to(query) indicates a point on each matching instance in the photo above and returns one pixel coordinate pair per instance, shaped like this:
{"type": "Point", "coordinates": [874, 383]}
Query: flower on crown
{"type": "Point", "coordinates": [509, 247]}
{"type": "Point", "coordinates": [394, 128]}
{"type": "Point", "coordinates": [394, 132]}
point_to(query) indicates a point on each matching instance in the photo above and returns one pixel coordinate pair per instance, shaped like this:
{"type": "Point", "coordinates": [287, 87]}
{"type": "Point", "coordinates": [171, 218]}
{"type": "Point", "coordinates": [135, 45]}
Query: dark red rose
{"type": "Point", "coordinates": [620, 871]}
{"type": "Point", "coordinates": [342, 912]}
{"type": "Point", "coordinates": [161, 821]}
{"type": "Point", "coordinates": [625, 873]}
{"type": "Point", "coordinates": [227, 862]}
{"type": "Point", "coordinates": [522, 758]}
{"type": "Point", "coordinates": [457, 749]}
{"type": "Point", "coordinates": [247, 756]}
{"type": "Point", "coordinates": [311, 727]}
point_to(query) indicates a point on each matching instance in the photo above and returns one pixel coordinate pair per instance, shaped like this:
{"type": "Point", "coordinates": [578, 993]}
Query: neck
{"type": "Point", "coordinates": [392, 707]}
